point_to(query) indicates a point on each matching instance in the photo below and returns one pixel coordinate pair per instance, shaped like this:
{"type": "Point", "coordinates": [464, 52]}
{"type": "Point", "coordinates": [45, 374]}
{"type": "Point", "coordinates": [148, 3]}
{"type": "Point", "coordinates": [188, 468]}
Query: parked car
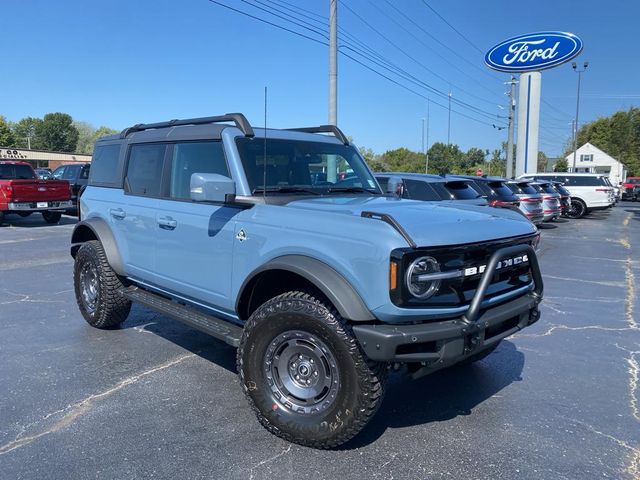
{"type": "Point", "coordinates": [22, 193]}
{"type": "Point", "coordinates": [320, 285]}
{"type": "Point", "coordinates": [587, 192]}
{"type": "Point", "coordinates": [550, 200]}
{"type": "Point", "coordinates": [631, 189]}
{"type": "Point", "coordinates": [530, 200]}
{"type": "Point", "coordinates": [77, 175]}
{"type": "Point", "coordinates": [425, 187]}
{"type": "Point", "coordinates": [565, 198]}
{"type": "Point", "coordinates": [44, 173]}
{"type": "Point", "coordinates": [494, 190]}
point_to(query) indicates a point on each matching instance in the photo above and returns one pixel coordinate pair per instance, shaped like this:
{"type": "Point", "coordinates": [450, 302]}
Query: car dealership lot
{"type": "Point", "coordinates": [156, 399]}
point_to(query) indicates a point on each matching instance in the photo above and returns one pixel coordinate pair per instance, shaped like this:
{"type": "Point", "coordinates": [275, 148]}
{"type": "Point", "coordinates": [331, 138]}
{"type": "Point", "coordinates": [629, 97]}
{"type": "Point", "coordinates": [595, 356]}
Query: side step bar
{"type": "Point", "coordinates": [220, 329]}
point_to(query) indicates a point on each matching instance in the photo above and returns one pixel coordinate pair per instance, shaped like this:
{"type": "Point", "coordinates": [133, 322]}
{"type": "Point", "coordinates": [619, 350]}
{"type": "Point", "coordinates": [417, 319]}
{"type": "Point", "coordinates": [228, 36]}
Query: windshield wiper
{"type": "Point", "coordinates": [284, 189]}
{"type": "Point", "coordinates": [352, 189]}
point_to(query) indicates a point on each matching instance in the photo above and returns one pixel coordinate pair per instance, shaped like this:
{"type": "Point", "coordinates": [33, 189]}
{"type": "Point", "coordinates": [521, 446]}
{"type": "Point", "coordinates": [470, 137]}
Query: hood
{"type": "Point", "coordinates": [430, 223]}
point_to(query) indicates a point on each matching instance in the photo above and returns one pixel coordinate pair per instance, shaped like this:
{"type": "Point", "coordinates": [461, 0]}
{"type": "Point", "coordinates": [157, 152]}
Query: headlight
{"type": "Point", "coordinates": [419, 283]}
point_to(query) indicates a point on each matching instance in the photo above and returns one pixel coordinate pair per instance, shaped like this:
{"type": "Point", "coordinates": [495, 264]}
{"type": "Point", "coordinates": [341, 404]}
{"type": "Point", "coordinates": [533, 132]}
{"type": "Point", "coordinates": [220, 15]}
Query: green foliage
{"type": "Point", "coordinates": [56, 133]}
{"type": "Point", "coordinates": [25, 129]}
{"type": "Point", "coordinates": [443, 158]}
{"type": "Point", "coordinates": [403, 160]}
{"type": "Point", "coordinates": [542, 161]}
{"type": "Point", "coordinates": [617, 135]}
{"type": "Point", "coordinates": [87, 136]}
{"type": "Point", "coordinates": [561, 165]}
{"type": "Point", "coordinates": [6, 135]}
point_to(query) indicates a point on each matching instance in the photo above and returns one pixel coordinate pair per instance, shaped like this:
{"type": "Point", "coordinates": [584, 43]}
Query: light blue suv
{"type": "Point", "coordinates": [281, 242]}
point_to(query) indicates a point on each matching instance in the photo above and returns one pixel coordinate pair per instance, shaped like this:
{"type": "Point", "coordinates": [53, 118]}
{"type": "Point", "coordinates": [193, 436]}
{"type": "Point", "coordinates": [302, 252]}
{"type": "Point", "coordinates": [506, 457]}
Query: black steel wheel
{"type": "Point", "coordinates": [98, 288]}
{"type": "Point", "coordinates": [304, 374]}
{"type": "Point", "coordinates": [578, 209]}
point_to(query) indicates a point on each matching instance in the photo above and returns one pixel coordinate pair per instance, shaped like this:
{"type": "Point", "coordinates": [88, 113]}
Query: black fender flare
{"type": "Point", "coordinates": [331, 283]}
{"type": "Point", "coordinates": [102, 232]}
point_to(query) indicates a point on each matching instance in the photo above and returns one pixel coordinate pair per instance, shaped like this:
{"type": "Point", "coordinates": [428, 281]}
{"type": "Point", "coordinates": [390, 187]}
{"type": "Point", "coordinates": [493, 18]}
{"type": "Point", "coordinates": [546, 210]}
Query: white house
{"type": "Point", "coordinates": [590, 159]}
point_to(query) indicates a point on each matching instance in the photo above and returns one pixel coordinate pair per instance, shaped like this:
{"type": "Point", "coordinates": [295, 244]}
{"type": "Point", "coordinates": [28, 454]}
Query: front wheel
{"type": "Point", "coordinates": [98, 288]}
{"type": "Point", "coordinates": [52, 217]}
{"type": "Point", "coordinates": [578, 209]}
{"type": "Point", "coordinates": [304, 374]}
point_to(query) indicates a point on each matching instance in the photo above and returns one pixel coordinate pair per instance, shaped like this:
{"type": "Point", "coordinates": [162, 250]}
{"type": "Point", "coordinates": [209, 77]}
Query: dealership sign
{"type": "Point", "coordinates": [533, 52]}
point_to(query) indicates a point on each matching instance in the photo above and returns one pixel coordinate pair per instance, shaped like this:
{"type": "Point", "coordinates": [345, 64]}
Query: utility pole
{"type": "Point", "coordinates": [575, 128]}
{"type": "Point", "coordinates": [333, 62]}
{"type": "Point", "coordinates": [449, 123]}
{"type": "Point", "coordinates": [426, 161]}
{"type": "Point", "coordinates": [512, 111]}
{"type": "Point", "coordinates": [422, 150]}
{"type": "Point", "coordinates": [333, 82]}
{"type": "Point", "coordinates": [573, 140]}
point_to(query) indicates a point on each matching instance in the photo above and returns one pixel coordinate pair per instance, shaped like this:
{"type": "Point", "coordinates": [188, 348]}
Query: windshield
{"type": "Point", "coordinates": [634, 181]}
{"type": "Point", "coordinates": [294, 166]}
{"type": "Point", "coordinates": [501, 189]}
{"type": "Point", "coordinates": [548, 188]}
{"type": "Point", "coordinates": [524, 188]}
{"type": "Point", "coordinates": [462, 190]}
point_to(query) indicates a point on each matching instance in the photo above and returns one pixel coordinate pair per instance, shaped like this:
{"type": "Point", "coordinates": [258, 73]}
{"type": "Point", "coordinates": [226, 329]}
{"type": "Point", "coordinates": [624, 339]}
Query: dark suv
{"type": "Point", "coordinates": [433, 188]}
{"type": "Point", "coordinates": [494, 190]}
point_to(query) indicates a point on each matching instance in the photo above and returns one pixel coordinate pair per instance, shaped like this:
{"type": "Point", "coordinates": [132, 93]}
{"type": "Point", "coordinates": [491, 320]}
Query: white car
{"type": "Point", "coordinates": [589, 191]}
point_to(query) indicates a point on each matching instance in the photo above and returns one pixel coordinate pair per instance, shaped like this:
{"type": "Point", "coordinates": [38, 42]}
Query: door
{"type": "Point", "coordinates": [195, 239]}
{"type": "Point", "coordinates": [136, 219]}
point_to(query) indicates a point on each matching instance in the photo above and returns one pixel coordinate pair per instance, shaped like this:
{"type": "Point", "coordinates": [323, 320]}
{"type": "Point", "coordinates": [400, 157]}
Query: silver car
{"type": "Point", "coordinates": [531, 202]}
{"type": "Point", "coordinates": [550, 199]}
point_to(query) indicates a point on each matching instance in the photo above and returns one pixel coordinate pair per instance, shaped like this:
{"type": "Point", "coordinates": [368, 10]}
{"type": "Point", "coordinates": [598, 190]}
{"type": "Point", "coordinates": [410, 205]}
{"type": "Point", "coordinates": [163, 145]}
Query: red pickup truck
{"type": "Point", "coordinates": [631, 189]}
{"type": "Point", "coordinates": [22, 193]}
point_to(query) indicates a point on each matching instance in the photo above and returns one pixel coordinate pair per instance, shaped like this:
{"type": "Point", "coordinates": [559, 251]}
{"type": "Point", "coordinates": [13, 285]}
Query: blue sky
{"type": "Point", "coordinates": [118, 63]}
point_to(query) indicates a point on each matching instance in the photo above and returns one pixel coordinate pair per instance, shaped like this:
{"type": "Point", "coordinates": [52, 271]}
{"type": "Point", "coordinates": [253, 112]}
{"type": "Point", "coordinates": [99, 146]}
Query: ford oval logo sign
{"type": "Point", "coordinates": [534, 51]}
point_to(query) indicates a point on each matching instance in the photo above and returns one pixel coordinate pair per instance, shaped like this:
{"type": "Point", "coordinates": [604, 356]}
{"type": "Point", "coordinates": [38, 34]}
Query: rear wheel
{"type": "Point", "coordinates": [52, 217]}
{"type": "Point", "coordinates": [98, 288]}
{"type": "Point", "coordinates": [578, 209]}
{"type": "Point", "coordinates": [304, 374]}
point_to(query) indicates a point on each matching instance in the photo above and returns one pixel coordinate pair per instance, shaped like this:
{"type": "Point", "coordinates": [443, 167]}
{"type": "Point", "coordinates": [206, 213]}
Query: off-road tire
{"type": "Point", "coordinates": [578, 209]}
{"type": "Point", "coordinates": [476, 357]}
{"type": "Point", "coordinates": [52, 217]}
{"type": "Point", "coordinates": [361, 386]}
{"type": "Point", "coordinates": [111, 307]}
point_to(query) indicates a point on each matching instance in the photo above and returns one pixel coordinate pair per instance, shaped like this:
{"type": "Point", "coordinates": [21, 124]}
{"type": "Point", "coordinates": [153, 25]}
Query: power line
{"type": "Point", "coordinates": [464, 37]}
{"type": "Point", "coordinates": [322, 42]}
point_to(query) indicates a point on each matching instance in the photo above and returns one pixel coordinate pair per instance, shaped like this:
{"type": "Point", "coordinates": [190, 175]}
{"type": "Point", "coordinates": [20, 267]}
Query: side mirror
{"type": "Point", "coordinates": [395, 187]}
{"type": "Point", "coordinates": [212, 187]}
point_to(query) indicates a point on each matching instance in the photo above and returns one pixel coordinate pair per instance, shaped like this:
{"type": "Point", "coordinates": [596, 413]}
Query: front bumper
{"type": "Point", "coordinates": [39, 206]}
{"type": "Point", "coordinates": [443, 343]}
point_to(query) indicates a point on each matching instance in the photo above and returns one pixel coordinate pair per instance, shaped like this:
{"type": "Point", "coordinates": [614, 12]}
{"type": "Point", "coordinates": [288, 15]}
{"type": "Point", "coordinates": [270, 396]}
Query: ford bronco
{"type": "Point", "coordinates": [281, 243]}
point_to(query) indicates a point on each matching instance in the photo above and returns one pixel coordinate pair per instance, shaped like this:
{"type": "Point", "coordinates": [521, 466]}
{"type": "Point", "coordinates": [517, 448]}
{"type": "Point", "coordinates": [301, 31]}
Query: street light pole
{"type": "Point", "coordinates": [512, 110]}
{"type": "Point", "coordinates": [575, 131]}
{"type": "Point", "coordinates": [426, 160]}
{"type": "Point", "coordinates": [449, 123]}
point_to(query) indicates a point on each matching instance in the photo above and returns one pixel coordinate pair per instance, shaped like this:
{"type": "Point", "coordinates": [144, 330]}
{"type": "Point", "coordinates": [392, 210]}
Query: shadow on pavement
{"type": "Point", "coordinates": [547, 226]}
{"type": "Point", "coordinates": [34, 220]}
{"type": "Point", "coordinates": [442, 395]}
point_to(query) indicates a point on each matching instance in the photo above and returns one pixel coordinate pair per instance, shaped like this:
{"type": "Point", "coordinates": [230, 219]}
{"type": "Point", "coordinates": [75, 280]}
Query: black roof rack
{"type": "Point", "coordinates": [239, 119]}
{"type": "Point", "coordinates": [324, 129]}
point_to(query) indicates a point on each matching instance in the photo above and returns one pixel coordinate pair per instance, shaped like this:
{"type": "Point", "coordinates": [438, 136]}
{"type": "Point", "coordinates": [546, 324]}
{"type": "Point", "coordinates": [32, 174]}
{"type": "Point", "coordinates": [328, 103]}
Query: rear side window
{"type": "Point", "coordinates": [418, 190]}
{"type": "Point", "coordinates": [18, 172]}
{"type": "Point", "coordinates": [383, 181]}
{"type": "Point", "coordinates": [144, 170]}
{"type": "Point", "coordinates": [70, 172]}
{"type": "Point", "coordinates": [194, 157]}
{"type": "Point", "coordinates": [578, 181]}
{"type": "Point", "coordinates": [461, 190]}
{"type": "Point", "coordinates": [84, 173]}
{"type": "Point", "coordinates": [104, 166]}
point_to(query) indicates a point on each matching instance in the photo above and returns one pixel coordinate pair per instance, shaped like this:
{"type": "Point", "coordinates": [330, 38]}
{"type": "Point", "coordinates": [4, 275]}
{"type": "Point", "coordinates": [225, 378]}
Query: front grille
{"type": "Point", "coordinates": [459, 291]}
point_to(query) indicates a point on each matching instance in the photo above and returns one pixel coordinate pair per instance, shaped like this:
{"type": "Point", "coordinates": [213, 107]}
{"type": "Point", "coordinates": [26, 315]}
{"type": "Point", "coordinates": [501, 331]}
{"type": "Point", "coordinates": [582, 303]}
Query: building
{"type": "Point", "coordinates": [42, 158]}
{"type": "Point", "coordinates": [591, 159]}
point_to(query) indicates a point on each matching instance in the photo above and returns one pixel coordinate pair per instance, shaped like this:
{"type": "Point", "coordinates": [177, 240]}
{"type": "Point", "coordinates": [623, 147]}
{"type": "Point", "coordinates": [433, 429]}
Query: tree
{"type": "Point", "coordinates": [24, 132]}
{"type": "Point", "coordinates": [87, 136]}
{"type": "Point", "coordinates": [6, 135]}
{"type": "Point", "coordinates": [543, 160]}
{"type": "Point", "coordinates": [497, 164]}
{"type": "Point", "coordinates": [403, 160]}
{"type": "Point", "coordinates": [561, 165]}
{"type": "Point", "coordinates": [57, 133]}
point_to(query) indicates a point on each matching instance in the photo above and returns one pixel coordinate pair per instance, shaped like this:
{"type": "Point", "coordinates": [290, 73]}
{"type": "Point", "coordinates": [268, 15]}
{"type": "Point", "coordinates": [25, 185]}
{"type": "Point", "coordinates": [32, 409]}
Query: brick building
{"type": "Point", "coordinates": [42, 158]}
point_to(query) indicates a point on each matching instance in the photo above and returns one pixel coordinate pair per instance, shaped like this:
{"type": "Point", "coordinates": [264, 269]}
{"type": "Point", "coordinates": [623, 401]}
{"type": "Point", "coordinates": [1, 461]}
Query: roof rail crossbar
{"type": "Point", "coordinates": [324, 129]}
{"type": "Point", "coordinates": [238, 118]}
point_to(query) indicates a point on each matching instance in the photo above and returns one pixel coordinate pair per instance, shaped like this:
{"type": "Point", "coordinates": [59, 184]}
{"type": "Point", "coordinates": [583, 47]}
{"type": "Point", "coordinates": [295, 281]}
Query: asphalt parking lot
{"type": "Point", "coordinates": [154, 399]}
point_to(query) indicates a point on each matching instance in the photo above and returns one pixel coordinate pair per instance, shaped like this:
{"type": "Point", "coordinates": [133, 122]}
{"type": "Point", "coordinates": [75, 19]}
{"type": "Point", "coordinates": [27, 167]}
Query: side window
{"type": "Point", "coordinates": [57, 173]}
{"type": "Point", "coordinates": [194, 157]}
{"type": "Point", "coordinates": [144, 170]}
{"type": "Point", "coordinates": [84, 173]}
{"type": "Point", "coordinates": [70, 172]}
{"type": "Point", "coordinates": [383, 181]}
{"type": "Point", "coordinates": [420, 190]}
{"type": "Point", "coordinates": [104, 166]}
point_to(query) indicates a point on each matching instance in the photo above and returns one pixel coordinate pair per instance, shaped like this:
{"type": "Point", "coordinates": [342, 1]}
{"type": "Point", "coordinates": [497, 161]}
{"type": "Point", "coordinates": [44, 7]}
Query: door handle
{"type": "Point", "coordinates": [117, 213]}
{"type": "Point", "coordinates": [167, 223]}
